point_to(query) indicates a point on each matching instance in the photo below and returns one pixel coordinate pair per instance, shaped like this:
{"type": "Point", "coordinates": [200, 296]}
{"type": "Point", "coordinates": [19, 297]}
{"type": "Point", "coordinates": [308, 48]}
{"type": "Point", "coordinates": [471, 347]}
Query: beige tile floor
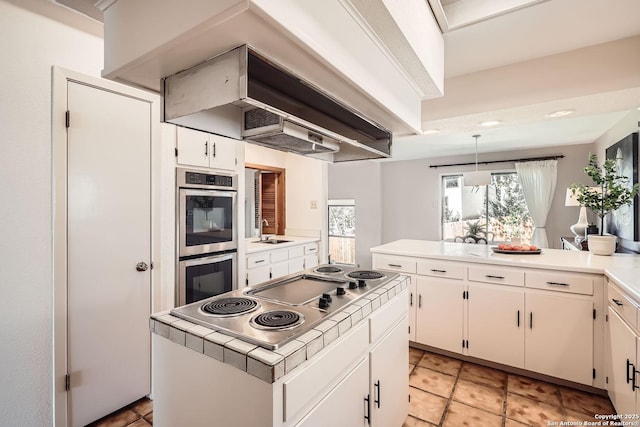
{"type": "Point", "coordinates": [450, 393]}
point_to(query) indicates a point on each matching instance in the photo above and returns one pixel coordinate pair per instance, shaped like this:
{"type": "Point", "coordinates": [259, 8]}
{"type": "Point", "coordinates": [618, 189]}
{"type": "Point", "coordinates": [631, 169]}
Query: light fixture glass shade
{"type": "Point", "coordinates": [476, 178]}
{"type": "Point", "coordinates": [571, 199]}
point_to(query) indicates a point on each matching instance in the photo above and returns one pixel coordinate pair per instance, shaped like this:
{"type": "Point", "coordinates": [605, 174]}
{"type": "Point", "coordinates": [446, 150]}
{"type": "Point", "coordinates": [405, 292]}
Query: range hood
{"type": "Point", "coordinates": [241, 93]}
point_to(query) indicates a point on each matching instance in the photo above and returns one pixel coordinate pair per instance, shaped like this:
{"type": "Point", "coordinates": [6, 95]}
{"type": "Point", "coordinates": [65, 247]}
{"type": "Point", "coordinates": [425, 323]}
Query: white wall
{"type": "Point", "coordinates": [306, 181]}
{"type": "Point", "coordinates": [629, 124]}
{"type": "Point", "coordinates": [29, 45]}
{"type": "Point", "coordinates": [360, 181]}
{"type": "Point", "coordinates": [411, 192]}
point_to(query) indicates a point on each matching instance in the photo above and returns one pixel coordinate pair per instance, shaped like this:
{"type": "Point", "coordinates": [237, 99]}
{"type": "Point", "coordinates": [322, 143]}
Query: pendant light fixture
{"type": "Point", "coordinates": [477, 177]}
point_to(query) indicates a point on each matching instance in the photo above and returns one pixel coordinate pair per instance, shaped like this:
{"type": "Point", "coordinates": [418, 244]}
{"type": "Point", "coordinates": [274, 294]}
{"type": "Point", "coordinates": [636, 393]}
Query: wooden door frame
{"type": "Point", "coordinates": [59, 146]}
{"type": "Point", "coordinates": [281, 194]}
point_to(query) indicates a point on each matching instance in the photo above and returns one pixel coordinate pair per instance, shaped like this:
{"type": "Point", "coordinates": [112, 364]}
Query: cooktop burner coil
{"type": "Point", "coordinates": [277, 319]}
{"type": "Point", "coordinates": [365, 275]}
{"type": "Point", "coordinates": [328, 269]}
{"type": "Point", "coordinates": [229, 306]}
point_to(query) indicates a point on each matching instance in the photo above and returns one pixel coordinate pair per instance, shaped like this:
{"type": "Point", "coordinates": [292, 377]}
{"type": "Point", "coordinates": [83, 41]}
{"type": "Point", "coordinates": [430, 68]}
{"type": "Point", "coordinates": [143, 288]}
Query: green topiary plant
{"type": "Point", "coordinates": [612, 192]}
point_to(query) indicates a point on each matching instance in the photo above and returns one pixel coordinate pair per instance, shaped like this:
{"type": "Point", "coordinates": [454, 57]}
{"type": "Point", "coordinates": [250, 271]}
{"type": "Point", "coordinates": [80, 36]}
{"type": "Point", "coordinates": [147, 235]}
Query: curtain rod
{"type": "Point", "coordinates": [529, 159]}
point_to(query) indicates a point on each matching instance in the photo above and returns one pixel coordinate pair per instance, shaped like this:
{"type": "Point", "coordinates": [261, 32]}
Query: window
{"type": "Point", "coordinates": [342, 231]}
{"type": "Point", "coordinates": [497, 212]}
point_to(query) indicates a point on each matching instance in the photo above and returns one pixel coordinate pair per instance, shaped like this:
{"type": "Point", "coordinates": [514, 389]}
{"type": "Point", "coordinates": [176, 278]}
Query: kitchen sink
{"type": "Point", "coordinates": [271, 241]}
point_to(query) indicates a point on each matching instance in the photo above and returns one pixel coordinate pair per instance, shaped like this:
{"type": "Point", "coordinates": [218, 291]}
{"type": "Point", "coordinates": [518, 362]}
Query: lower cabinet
{"type": "Point", "coordinates": [343, 406]}
{"type": "Point", "coordinates": [268, 265]}
{"type": "Point", "coordinates": [622, 365]}
{"type": "Point", "coordinates": [439, 315]}
{"type": "Point", "coordinates": [496, 324]}
{"type": "Point", "coordinates": [559, 336]}
{"type": "Point", "coordinates": [388, 394]}
{"type": "Point", "coordinates": [413, 304]}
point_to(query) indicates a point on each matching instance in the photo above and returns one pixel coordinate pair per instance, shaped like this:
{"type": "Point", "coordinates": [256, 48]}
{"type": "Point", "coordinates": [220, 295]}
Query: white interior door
{"type": "Point", "coordinates": [109, 232]}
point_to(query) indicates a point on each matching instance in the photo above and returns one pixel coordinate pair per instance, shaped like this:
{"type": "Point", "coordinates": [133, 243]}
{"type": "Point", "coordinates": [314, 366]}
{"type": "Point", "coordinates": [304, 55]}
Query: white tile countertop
{"type": "Point", "coordinates": [270, 365]}
{"type": "Point", "coordinates": [623, 269]}
{"type": "Point", "coordinates": [253, 247]}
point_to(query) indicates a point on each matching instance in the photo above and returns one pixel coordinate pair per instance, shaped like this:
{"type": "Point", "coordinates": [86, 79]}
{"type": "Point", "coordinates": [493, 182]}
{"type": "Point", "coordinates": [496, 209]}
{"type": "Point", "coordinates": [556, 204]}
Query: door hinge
{"type": "Point", "coordinates": [594, 373]}
{"type": "Point", "coordinates": [606, 380]}
{"type": "Point", "coordinates": [67, 118]}
{"type": "Point", "coordinates": [606, 317]}
{"type": "Point", "coordinates": [594, 314]}
{"type": "Point", "coordinates": [409, 327]}
{"type": "Point", "coordinates": [176, 151]}
{"type": "Point", "coordinates": [409, 398]}
{"type": "Point", "coordinates": [67, 382]}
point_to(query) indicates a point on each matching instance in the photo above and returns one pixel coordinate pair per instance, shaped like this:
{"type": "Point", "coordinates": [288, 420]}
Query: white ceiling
{"type": "Point", "coordinates": [507, 60]}
{"type": "Point", "coordinates": [542, 34]}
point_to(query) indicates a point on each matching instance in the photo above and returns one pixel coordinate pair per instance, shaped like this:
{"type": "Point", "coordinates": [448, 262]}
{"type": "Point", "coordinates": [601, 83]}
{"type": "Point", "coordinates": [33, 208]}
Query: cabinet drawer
{"type": "Point", "coordinates": [277, 256]}
{"type": "Point", "coordinates": [623, 305]}
{"type": "Point", "coordinates": [257, 260]}
{"type": "Point", "coordinates": [558, 281]}
{"type": "Point", "coordinates": [296, 251]}
{"type": "Point", "coordinates": [394, 263]}
{"type": "Point", "coordinates": [496, 274]}
{"type": "Point", "coordinates": [310, 248]}
{"type": "Point", "coordinates": [439, 268]}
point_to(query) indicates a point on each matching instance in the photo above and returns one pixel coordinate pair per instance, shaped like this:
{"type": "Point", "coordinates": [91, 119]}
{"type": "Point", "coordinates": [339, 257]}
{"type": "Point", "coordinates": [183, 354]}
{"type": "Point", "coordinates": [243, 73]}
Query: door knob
{"type": "Point", "coordinates": [142, 266]}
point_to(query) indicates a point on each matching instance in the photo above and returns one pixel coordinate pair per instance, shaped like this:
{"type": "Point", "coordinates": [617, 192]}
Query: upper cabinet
{"type": "Point", "coordinates": [203, 149]}
{"type": "Point", "coordinates": [378, 57]}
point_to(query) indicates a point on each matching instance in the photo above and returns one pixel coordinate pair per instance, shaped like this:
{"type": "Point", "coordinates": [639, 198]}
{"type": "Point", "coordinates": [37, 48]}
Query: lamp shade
{"type": "Point", "coordinates": [571, 199]}
{"type": "Point", "coordinates": [476, 178]}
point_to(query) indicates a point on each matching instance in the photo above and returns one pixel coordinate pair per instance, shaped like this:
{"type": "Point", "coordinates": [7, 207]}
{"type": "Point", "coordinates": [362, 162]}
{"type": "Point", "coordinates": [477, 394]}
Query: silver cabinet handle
{"type": "Point", "coordinates": [206, 148]}
{"type": "Point", "coordinates": [411, 299]}
{"type": "Point", "coordinates": [617, 302]}
{"type": "Point", "coordinates": [420, 301]}
{"type": "Point", "coordinates": [142, 266]}
{"type": "Point", "coordinates": [260, 260]}
{"type": "Point", "coordinates": [438, 271]}
{"type": "Point", "coordinates": [489, 276]}
{"type": "Point", "coordinates": [557, 284]}
{"type": "Point", "coordinates": [394, 265]}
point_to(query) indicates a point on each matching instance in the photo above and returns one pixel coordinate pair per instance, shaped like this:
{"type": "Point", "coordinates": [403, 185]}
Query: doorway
{"type": "Point", "coordinates": [266, 201]}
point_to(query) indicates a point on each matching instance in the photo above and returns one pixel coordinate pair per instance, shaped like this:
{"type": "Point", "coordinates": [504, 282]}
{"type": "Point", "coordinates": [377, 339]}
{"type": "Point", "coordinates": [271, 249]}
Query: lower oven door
{"type": "Point", "coordinates": [200, 278]}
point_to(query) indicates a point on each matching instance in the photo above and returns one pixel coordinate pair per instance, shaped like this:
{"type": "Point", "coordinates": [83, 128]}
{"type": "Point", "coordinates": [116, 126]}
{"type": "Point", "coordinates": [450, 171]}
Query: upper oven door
{"type": "Point", "coordinates": [206, 221]}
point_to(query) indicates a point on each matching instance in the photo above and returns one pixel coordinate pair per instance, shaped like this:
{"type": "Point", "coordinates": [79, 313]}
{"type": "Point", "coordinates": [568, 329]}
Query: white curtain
{"type": "Point", "coordinates": [538, 180]}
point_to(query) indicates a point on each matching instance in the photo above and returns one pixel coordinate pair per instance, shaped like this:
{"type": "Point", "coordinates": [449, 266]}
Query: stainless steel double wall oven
{"type": "Point", "coordinates": [207, 237]}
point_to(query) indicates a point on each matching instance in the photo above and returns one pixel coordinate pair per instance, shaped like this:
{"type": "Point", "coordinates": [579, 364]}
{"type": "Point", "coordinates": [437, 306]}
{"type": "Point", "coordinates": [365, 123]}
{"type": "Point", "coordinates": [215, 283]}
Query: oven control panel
{"type": "Point", "coordinates": [198, 179]}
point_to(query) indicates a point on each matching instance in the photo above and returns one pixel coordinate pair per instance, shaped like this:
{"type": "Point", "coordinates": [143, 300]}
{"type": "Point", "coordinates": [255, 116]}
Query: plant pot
{"type": "Point", "coordinates": [602, 245]}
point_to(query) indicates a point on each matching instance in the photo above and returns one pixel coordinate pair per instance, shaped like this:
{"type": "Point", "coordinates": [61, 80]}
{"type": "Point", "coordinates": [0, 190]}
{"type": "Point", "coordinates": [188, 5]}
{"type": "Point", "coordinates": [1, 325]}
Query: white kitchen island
{"type": "Point", "coordinates": [350, 370]}
{"type": "Point", "coordinates": [538, 314]}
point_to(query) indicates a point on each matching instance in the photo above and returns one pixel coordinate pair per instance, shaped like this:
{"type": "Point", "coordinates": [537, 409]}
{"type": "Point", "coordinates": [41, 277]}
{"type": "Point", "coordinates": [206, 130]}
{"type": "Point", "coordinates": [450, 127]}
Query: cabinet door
{"type": "Point", "coordinates": [413, 303]}
{"type": "Point", "coordinates": [345, 405]}
{"type": "Point", "coordinates": [496, 324]}
{"type": "Point", "coordinates": [193, 147]}
{"type": "Point", "coordinates": [439, 313]}
{"type": "Point", "coordinates": [311, 261]}
{"type": "Point", "coordinates": [559, 336]}
{"type": "Point", "coordinates": [257, 275]}
{"type": "Point", "coordinates": [390, 378]}
{"type": "Point", "coordinates": [222, 152]}
{"type": "Point", "coordinates": [621, 359]}
{"type": "Point", "coordinates": [279, 269]}
{"type": "Point", "coordinates": [296, 265]}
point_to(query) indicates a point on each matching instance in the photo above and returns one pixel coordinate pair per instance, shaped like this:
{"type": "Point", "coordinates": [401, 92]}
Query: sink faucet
{"type": "Point", "coordinates": [265, 222]}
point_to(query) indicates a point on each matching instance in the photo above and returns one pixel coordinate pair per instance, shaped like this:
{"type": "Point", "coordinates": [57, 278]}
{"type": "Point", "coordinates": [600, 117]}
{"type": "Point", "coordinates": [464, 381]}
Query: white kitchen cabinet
{"type": "Point", "coordinates": [484, 311]}
{"type": "Point", "coordinates": [496, 324]}
{"type": "Point", "coordinates": [621, 363]}
{"type": "Point", "coordinates": [439, 315]}
{"type": "Point", "coordinates": [559, 335]}
{"type": "Point", "coordinates": [413, 304]}
{"type": "Point", "coordinates": [389, 392]}
{"type": "Point", "coordinates": [203, 149]}
{"type": "Point", "coordinates": [272, 264]}
{"type": "Point", "coordinates": [343, 406]}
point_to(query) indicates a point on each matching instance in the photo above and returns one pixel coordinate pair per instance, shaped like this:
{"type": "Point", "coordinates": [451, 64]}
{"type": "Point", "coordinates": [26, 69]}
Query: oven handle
{"type": "Point", "coordinates": [209, 259]}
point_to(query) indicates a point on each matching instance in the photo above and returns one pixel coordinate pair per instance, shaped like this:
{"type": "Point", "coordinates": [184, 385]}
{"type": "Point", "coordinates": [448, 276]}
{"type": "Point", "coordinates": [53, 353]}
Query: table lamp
{"type": "Point", "coordinates": [579, 227]}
